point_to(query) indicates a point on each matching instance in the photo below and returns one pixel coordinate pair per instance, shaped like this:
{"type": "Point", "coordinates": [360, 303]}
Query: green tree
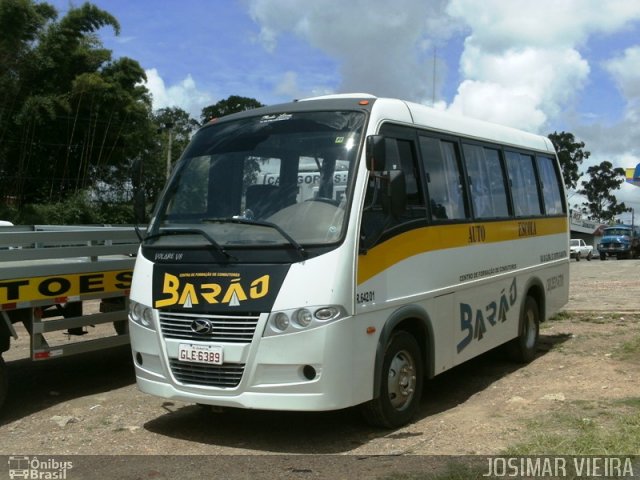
{"type": "Point", "coordinates": [180, 125]}
{"type": "Point", "coordinates": [73, 119]}
{"type": "Point", "coordinates": [233, 104]}
{"type": "Point", "coordinates": [571, 154]}
{"type": "Point", "coordinates": [601, 202]}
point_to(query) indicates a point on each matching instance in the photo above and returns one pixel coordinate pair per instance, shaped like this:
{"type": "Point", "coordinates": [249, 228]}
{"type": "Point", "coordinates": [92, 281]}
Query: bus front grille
{"type": "Point", "coordinates": [221, 376]}
{"type": "Point", "coordinates": [237, 328]}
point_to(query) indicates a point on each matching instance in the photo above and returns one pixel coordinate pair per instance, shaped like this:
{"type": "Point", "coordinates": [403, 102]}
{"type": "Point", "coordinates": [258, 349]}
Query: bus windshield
{"type": "Point", "coordinates": [617, 231]}
{"type": "Point", "coordinates": [270, 179]}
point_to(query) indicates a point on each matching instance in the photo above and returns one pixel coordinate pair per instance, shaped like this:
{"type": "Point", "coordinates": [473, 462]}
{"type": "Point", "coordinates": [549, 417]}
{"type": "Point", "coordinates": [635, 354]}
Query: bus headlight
{"type": "Point", "coordinates": [299, 319]}
{"type": "Point", "coordinates": [302, 317]}
{"type": "Point", "coordinates": [281, 321]}
{"type": "Point", "coordinates": [141, 314]}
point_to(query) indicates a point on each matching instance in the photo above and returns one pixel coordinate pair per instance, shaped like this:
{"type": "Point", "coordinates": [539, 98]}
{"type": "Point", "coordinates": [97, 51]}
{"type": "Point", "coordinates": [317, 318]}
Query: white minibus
{"type": "Point", "coordinates": [423, 240]}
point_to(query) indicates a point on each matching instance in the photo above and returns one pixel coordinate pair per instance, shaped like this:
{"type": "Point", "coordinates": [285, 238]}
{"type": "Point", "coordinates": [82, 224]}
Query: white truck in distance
{"type": "Point", "coordinates": [579, 249]}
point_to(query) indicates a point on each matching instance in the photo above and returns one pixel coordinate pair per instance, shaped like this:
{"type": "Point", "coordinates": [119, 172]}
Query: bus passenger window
{"type": "Point", "coordinates": [441, 164]}
{"type": "Point", "coordinates": [486, 179]}
{"type": "Point", "coordinates": [524, 190]}
{"type": "Point", "coordinates": [551, 190]}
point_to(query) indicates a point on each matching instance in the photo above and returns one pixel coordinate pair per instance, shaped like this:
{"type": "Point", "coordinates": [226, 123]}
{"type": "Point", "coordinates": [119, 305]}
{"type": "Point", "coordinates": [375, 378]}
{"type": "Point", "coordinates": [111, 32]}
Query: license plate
{"type": "Point", "coordinates": [208, 354]}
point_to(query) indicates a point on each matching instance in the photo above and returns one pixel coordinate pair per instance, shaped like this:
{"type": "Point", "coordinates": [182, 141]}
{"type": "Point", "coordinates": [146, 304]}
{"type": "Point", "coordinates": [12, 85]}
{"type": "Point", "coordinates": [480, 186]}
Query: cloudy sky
{"type": "Point", "coordinates": [543, 66]}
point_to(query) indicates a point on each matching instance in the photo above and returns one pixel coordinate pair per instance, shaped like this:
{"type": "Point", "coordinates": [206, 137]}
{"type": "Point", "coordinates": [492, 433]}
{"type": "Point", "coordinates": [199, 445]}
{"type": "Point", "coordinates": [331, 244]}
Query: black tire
{"type": "Point", "coordinates": [4, 382]}
{"type": "Point", "coordinates": [577, 257]}
{"type": "Point", "coordinates": [115, 305]}
{"type": "Point", "coordinates": [121, 327]}
{"type": "Point", "coordinates": [523, 348]}
{"type": "Point", "coordinates": [401, 382]}
{"type": "Point", "coordinates": [603, 256]}
{"type": "Point", "coordinates": [589, 256]}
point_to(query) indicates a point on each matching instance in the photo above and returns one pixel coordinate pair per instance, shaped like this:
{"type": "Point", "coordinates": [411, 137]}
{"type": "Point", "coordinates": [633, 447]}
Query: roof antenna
{"type": "Point", "coordinates": [433, 86]}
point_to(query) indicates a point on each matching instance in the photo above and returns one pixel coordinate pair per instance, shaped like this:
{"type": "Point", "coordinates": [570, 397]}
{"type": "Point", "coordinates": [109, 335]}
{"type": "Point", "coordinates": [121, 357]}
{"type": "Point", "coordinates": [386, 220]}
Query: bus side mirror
{"type": "Point", "coordinates": [376, 158]}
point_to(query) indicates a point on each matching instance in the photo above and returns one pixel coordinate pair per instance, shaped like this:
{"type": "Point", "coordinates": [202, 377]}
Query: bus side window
{"type": "Point", "coordinates": [442, 167]}
{"type": "Point", "coordinates": [522, 177]}
{"type": "Point", "coordinates": [486, 181]}
{"type": "Point", "coordinates": [376, 217]}
{"type": "Point", "coordinates": [551, 190]}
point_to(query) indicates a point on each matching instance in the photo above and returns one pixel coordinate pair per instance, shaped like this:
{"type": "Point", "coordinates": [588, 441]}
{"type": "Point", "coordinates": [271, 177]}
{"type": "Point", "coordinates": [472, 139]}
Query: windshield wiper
{"type": "Point", "coordinates": [190, 231]}
{"type": "Point", "coordinates": [259, 223]}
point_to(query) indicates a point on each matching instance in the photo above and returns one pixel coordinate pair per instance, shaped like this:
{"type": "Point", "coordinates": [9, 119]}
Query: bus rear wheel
{"type": "Point", "coordinates": [402, 378]}
{"type": "Point", "coordinates": [523, 348]}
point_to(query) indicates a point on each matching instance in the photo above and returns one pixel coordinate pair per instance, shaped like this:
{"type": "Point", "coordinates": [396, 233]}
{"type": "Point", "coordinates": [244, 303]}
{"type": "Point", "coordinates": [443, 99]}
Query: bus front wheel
{"type": "Point", "coordinates": [523, 348]}
{"type": "Point", "coordinates": [402, 378]}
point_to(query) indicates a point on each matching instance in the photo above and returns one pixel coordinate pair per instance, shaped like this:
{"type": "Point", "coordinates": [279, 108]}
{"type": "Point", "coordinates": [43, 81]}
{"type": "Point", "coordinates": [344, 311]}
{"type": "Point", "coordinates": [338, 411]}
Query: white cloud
{"type": "Point", "coordinates": [499, 24]}
{"type": "Point", "coordinates": [625, 70]}
{"type": "Point", "coordinates": [521, 88]}
{"type": "Point", "coordinates": [288, 85]}
{"type": "Point", "coordinates": [521, 60]}
{"type": "Point", "coordinates": [184, 94]}
{"type": "Point", "coordinates": [381, 47]}
{"type": "Point", "coordinates": [495, 103]}
{"type": "Point", "coordinates": [620, 142]}
{"type": "Point", "coordinates": [520, 66]}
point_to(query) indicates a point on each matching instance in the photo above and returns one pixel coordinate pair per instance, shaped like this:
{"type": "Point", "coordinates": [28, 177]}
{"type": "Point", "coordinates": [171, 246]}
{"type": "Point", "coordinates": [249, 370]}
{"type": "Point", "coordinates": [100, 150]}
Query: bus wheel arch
{"type": "Point", "coordinates": [402, 363]}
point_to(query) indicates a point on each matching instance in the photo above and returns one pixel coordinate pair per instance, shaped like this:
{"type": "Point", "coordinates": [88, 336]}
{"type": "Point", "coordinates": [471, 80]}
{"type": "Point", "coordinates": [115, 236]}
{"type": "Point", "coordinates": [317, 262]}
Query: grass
{"type": "Point", "coordinates": [585, 428]}
{"type": "Point", "coordinates": [629, 350]}
{"type": "Point", "coordinates": [595, 317]}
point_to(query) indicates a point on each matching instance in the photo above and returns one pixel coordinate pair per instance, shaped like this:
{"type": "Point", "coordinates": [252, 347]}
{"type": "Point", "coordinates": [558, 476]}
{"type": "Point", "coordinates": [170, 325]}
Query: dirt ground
{"type": "Point", "coordinates": [90, 405]}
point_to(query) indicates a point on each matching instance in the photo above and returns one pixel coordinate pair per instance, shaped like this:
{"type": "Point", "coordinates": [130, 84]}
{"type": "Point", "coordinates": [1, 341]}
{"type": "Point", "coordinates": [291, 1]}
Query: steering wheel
{"type": "Point", "coordinates": [328, 200]}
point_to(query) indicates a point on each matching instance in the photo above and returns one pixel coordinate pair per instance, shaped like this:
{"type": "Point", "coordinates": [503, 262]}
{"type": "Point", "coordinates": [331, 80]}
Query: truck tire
{"type": "Point", "coordinates": [121, 327]}
{"type": "Point", "coordinates": [589, 256]}
{"type": "Point", "coordinates": [4, 382]}
{"type": "Point", "coordinates": [578, 257]}
{"type": "Point", "coordinates": [115, 305]}
{"type": "Point", "coordinates": [603, 256]}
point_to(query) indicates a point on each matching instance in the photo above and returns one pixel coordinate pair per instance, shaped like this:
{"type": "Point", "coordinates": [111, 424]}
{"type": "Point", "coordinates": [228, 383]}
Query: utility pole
{"type": "Point", "coordinates": [169, 127]}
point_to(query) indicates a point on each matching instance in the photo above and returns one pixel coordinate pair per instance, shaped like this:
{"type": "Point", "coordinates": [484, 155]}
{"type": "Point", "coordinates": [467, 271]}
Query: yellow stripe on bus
{"type": "Point", "coordinates": [49, 287]}
{"type": "Point", "coordinates": [442, 237]}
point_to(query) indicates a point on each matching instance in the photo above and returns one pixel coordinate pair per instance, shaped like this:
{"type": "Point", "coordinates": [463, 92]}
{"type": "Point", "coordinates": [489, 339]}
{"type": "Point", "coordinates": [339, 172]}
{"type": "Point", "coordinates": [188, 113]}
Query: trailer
{"type": "Point", "coordinates": [60, 282]}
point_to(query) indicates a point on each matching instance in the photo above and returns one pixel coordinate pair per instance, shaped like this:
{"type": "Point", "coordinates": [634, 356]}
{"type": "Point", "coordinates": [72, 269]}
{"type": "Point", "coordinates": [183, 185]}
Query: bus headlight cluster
{"type": "Point", "coordinates": [289, 321]}
{"type": "Point", "coordinates": [141, 314]}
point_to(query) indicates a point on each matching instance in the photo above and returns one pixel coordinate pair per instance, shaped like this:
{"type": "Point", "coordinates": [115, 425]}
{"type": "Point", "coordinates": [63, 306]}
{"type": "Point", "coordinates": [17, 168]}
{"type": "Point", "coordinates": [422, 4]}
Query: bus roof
{"type": "Point", "coordinates": [395, 110]}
